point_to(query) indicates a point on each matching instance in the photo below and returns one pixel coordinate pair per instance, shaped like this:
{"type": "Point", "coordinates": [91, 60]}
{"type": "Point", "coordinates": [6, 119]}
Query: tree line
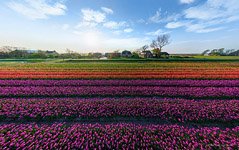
{"type": "Point", "coordinates": [22, 53]}
{"type": "Point", "coordinates": [221, 52]}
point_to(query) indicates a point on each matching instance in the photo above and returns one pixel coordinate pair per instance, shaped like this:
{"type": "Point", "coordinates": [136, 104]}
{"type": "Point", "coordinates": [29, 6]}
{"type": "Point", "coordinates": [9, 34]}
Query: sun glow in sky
{"type": "Point", "coordinates": [108, 25]}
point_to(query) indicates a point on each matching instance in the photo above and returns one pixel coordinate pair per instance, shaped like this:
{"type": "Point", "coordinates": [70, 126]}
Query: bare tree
{"type": "Point", "coordinates": [145, 47]}
{"type": "Point", "coordinates": [68, 51]}
{"type": "Point", "coordinates": [159, 43]}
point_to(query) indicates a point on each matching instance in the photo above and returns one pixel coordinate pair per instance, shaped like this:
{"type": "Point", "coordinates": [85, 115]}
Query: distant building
{"type": "Point", "coordinates": [146, 54]}
{"type": "Point", "coordinates": [51, 52]}
{"type": "Point", "coordinates": [164, 54]}
{"type": "Point", "coordinates": [126, 53]}
{"type": "Point", "coordinates": [31, 51]}
{"type": "Point", "coordinates": [113, 55]}
{"type": "Point", "coordinates": [97, 55]}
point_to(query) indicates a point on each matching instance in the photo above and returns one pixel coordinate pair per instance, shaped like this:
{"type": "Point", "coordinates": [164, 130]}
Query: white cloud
{"type": "Point", "coordinates": [213, 15]}
{"type": "Point", "coordinates": [107, 10]}
{"type": "Point", "coordinates": [128, 30]}
{"type": "Point", "coordinates": [214, 9]}
{"type": "Point", "coordinates": [141, 21]}
{"type": "Point", "coordinates": [156, 33]}
{"type": "Point", "coordinates": [84, 24]}
{"type": "Point", "coordinates": [206, 30]}
{"type": "Point", "coordinates": [173, 17]}
{"type": "Point", "coordinates": [194, 27]}
{"type": "Point", "coordinates": [90, 19]}
{"type": "Point", "coordinates": [94, 20]}
{"type": "Point", "coordinates": [114, 25]}
{"type": "Point", "coordinates": [37, 9]}
{"type": "Point", "coordinates": [159, 17]}
{"type": "Point", "coordinates": [200, 28]}
{"type": "Point", "coordinates": [156, 18]}
{"type": "Point", "coordinates": [119, 32]}
{"type": "Point", "coordinates": [173, 25]}
{"type": "Point", "coordinates": [90, 15]}
{"type": "Point", "coordinates": [186, 1]}
{"type": "Point", "coordinates": [202, 13]}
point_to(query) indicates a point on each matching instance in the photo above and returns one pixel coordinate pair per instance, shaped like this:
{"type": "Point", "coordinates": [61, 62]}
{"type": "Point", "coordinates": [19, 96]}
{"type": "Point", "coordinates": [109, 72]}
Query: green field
{"type": "Point", "coordinates": [176, 58]}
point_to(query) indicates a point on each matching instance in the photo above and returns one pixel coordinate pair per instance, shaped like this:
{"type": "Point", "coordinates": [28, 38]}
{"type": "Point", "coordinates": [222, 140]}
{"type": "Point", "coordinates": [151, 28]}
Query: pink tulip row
{"type": "Point", "coordinates": [174, 91]}
{"type": "Point", "coordinates": [179, 83]}
{"type": "Point", "coordinates": [174, 110]}
{"type": "Point", "coordinates": [115, 136]}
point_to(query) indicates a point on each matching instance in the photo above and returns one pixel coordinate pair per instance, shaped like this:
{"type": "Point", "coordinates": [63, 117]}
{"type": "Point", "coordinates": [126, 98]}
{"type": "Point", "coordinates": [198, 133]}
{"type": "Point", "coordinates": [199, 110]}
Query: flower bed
{"type": "Point", "coordinates": [89, 91]}
{"type": "Point", "coordinates": [115, 136]}
{"type": "Point", "coordinates": [137, 82]}
{"type": "Point", "coordinates": [174, 110]}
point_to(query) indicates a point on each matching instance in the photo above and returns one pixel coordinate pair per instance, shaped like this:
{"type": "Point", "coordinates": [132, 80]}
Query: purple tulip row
{"type": "Point", "coordinates": [175, 110]}
{"type": "Point", "coordinates": [115, 136]}
{"type": "Point", "coordinates": [66, 91]}
{"type": "Point", "coordinates": [179, 83]}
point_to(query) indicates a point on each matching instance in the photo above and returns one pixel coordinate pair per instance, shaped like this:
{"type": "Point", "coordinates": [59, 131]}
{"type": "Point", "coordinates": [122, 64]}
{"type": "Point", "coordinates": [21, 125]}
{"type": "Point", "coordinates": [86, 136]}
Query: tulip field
{"type": "Point", "coordinates": [119, 105]}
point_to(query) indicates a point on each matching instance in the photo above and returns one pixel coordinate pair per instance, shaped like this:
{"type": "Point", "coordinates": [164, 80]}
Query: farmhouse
{"type": "Point", "coordinates": [146, 54]}
{"type": "Point", "coordinates": [113, 55]}
{"type": "Point", "coordinates": [51, 52]}
{"type": "Point", "coordinates": [97, 55]}
{"type": "Point", "coordinates": [126, 53]}
{"type": "Point", "coordinates": [164, 54]}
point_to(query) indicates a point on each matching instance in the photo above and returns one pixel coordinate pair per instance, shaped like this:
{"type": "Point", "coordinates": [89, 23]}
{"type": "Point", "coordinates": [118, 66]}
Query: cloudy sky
{"type": "Point", "coordinates": [108, 25]}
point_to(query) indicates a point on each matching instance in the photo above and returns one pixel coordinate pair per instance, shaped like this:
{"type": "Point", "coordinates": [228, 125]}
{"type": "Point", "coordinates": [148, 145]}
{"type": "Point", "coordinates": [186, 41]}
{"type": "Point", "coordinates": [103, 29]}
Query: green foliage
{"type": "Point", "coordinates": [37, 55]}
{"type": "Point", "coordinates": [156, 52]}
{"type": "Point", "coordinates": [220, 52]}
{"type": "Point", "coordinates": [135, 55]}
{"type": "Point", "coordinates": [69, 56]}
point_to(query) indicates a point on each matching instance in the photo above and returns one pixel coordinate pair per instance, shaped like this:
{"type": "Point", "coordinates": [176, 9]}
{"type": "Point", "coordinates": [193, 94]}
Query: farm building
{"type": "Point", "coordinates": [146, 54]}
{"type": "Point", "coordinates": [164, 54]}
{"type": "Point", "coordinates": [51, 52]}
{"type": "Point", "coordinates": [126, 53]}
{"type": "Point", "coordinates": [97, 55]}
{"type": "Point", "coordinates": [113, 55]}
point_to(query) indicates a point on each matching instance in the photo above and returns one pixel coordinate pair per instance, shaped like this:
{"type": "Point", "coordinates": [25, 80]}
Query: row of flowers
{"type": "Point", "coordinates": [115, 136]}
{"type": "Point", "coordinates": [137, 82]}
{"type": "Point", "coordinates": [120, 69]}
{"type": "Point", "coordinates": [125, 76]}
{"type": "Point", "coordinates": [121, 72]}
{"type": "Point", "coordinates": [110, 64]}
{"type": "Point", "coordinates": [174, 110]}
{"type": "Point", "coordinates": [172, 91]}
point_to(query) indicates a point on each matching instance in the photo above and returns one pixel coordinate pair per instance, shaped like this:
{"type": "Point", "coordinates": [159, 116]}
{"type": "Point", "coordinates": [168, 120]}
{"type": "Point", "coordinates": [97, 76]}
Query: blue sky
{"type": "Point", "coordinates": [108, 25]}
